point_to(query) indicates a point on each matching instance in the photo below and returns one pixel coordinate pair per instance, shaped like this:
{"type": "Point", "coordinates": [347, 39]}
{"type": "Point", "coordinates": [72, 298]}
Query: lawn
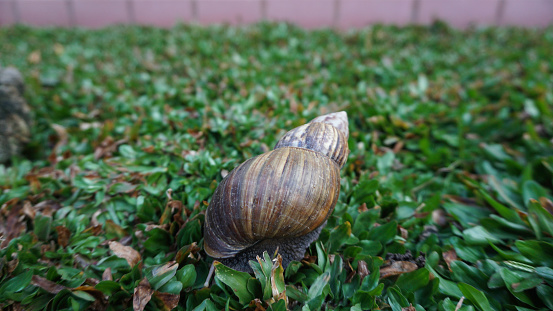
{"type": "Point", "coordinates": [445, 202]}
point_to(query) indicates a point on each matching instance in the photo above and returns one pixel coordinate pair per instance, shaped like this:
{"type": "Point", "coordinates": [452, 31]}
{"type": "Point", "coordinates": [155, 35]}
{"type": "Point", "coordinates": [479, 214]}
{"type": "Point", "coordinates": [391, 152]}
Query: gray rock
{"type": "Point", "coordinates": [15, 114]}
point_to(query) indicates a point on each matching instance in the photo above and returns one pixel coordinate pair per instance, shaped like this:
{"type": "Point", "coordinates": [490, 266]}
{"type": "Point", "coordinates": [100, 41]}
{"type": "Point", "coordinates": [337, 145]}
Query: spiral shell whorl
{"type": "Point", "coordinates": [326, 134]}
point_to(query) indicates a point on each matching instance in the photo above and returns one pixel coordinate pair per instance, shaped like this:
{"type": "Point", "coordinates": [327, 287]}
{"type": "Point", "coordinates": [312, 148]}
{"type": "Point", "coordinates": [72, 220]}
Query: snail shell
{"type": "Point", "coordinates": [15, 114]}
{"type": "Point", "coordinates": [281, 198]}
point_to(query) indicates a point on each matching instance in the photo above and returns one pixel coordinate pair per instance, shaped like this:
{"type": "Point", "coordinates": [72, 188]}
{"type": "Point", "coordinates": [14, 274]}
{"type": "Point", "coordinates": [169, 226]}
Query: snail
{"type": "Point", "coordinates": [15, 114]}
{"type": "Point", "coordinates": [280, 199]}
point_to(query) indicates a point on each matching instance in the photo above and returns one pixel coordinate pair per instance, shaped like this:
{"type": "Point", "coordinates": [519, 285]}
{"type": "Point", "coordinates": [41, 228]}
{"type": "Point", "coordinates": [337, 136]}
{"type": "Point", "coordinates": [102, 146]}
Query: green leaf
{"type": "Point", "coordinates": [338, 237]}
{"type": "Point", "coordinates": [531, 190]}
{"type": "Point", "coordinates": [172, 287]}
{"type": "Point", "coordinates": [207, 305]}
{"type": "Point", "coordinates": [540, 218]}
{"type": "Point", "coordinates": [514, 256]}
{"type": "Point", "coordinates": [396, 300]}
{"type": "Point", "coordinates": [371, 248]}
{"type": "Point", "coordinates": [412, 281]}
{"type": "Point", "coordinates": [468, 274]}
{"type": "Point", "coordinates": [475, 296]}
{"type": "Point", "coordinates": [384, 233]}
{"type": "Point", "coordinates": [161, 274]}
{"type": "Point", "coordinates": [364, 190]}
{"type": "Point", "coordinates": [262, 271]}
{"type": "Point", "coordinates": [527, 284]}
{"type": "Point", "coordinates": [316, 289]}
{"type": "Point", "coordinates": [278, 306]}
{"type": "Point", "coordinates": [83, 295]}
{"type": "Point", "coordinates": [187, 276]}
{"type": "Point", "coordinates": [365, 221]}
{"type": "Point", "coordinates": [236, 280]}
{"type": "Point", "coordinates": [546, 273]}
{"type": "Point", "coordinates": [512, 279]}
{"type": "Point", "coordinates": [445, 286]}
{"type": "Point", "coordinates": [546, 295]}
{"type": "Point", "coordinates": [537, 251]}
{"type": "Point", "coordinates": [17, 283]}
{"type": "Point", "coordinates": [293, 293]}
{"type": "Point", "coordinates": [505, 212]}
{"type": "Point", "coordinates": [108, 287]}
{"type": "Point", "coordinates": [467, 215]}
{"type": "Point", "coordinates": [477, 235]}
{"type": "Point", "coordinates": [43, 226]}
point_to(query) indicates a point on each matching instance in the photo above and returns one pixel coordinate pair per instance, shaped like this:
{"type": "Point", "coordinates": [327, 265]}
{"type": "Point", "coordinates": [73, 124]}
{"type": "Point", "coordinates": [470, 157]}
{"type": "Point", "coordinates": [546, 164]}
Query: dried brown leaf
{"type": "Point", "coordinates": [404, 233]}
{"type": "Point", "coordinates": [438, 216]}
{"type": "Point", "coordinates": [125, 252]}
{"type": "Point", "coordinates": [169, 301]}
{"type": "Point", "coordinates": [258, 305]}
{"type": "Point", "coordinates": [547, 204]}
{"type": "Point", "coordinates": [114, 229]}
{"type": "Point", "coordinates": [106, 276]}
{"type": "Point", "coordinates": [397, 268]}
{"type": "Point", "coordinates": [277, 295]}
{"type": "Point", "coordinates": [398, 146]}
{"type": "Point", "coordinates": [362, 208]}
{"type": "Point", "coordinates": [47, 285]}
{"type": "Point", "coordinates": [82, 261]}
{"type": "Point", "coordinates": [449, 257]}
{"type": "Point", "coordinates": [362, 269]}
{"type": "Point", "coordinates": [47, 207]}
{"type": "Point", "coordinates": [63, 235]}
{"type": "Point", "coordinates": [94, 230]}
{"type": "Point", "coordinates": [142, 295]}
{"type": "Point", "coordinates": [28, 210]}
{"type": "Point", "coordinates": [13, 225]}
{"type": "Point", "coordinates": [187, 252]}
{"type": "Point", "coordinates": [12, 264]}
{"type": "Point", "coordinates": [34, 57]}
{"type": "Point", "coordinates": [107, 147]}
{"type": "Point", "coordinates": [62, 136]}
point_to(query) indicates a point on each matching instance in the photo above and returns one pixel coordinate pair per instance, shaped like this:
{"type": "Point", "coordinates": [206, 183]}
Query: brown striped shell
{"type": "Point", "coordinates": [281, 198]}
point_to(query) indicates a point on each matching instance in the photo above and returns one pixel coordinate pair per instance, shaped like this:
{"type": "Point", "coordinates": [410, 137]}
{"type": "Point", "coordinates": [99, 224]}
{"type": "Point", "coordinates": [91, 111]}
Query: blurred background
{"type": "Point", "coordinates": [341, 14]}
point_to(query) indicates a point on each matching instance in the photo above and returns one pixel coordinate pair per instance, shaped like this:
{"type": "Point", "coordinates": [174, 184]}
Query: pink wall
{"type": "Point", "coordinates": [341, 14]}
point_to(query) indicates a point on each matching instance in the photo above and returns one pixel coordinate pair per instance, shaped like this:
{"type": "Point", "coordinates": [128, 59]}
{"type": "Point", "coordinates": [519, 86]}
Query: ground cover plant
{"type": "Point", "coordinates": [446, 200]}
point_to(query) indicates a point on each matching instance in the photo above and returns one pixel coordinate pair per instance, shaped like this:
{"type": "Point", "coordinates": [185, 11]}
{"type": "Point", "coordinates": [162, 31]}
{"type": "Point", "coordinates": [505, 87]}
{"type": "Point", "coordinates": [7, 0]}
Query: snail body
{"type": "Point", "coordinates": [279, 199]}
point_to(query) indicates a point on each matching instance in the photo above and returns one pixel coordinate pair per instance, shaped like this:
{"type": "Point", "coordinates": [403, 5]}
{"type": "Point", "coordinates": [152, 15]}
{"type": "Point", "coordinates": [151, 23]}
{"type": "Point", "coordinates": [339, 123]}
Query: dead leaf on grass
{"type": "Point", "coordinates": [169, 301]}
{"type": "Point", "coordinates": [142, 295]}
{"type": "Point", "coordinates": [125, 252]}
{"type": "Point", "coordinates": [397, 268]}
{"type": "Point", "coordinates": [106, 276]}
{"type": "Point", "coordinates": [449, 257]}
{"type": "Point", "coordinates": [362, 269]}
{"type": "Point", "coordinates": [47, 285]}
{"type": "Point", "coordinates": [63, 235]}
{"type": "Point", "coordinates": [547, 204]}
{"type": "Point", "coordinates": [13, 225]}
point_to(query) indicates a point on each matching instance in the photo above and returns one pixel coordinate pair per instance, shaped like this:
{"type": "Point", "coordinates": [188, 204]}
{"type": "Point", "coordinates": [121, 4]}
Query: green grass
{"type": "Point", "coordinates": [451, 158]}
